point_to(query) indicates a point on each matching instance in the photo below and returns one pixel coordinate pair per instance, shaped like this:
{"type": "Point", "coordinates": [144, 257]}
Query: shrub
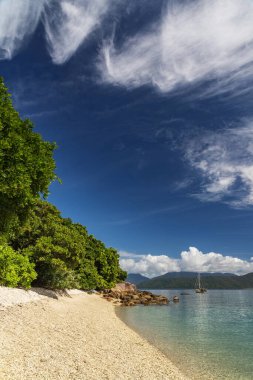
{"type": "Point", "coordinates": [15, 269]}
{"type": "Point", "coordinates": [54, 274]}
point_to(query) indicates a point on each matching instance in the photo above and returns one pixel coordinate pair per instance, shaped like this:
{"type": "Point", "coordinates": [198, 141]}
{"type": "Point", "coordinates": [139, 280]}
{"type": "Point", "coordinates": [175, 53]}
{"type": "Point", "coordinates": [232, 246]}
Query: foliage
{"type": "Point", "coordinates": [15, 269]}
{"type": "Point", "coordinates": [26, 164]}
{"type": "Point", "coordinates": [53, 244]}
{"type": "Point", "coordinates": [106, 262]}
{"type": "Point", "coordinates": [42, 244]}
{"type": "Point", "coordinates": [64, 254]}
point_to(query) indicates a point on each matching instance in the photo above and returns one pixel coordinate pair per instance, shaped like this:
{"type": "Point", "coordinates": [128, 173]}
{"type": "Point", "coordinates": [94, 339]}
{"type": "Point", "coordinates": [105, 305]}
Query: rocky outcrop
{"type": "Point", "coordinates": [126, 294]}
{"type": "Point", "coordinates": [124, 287]}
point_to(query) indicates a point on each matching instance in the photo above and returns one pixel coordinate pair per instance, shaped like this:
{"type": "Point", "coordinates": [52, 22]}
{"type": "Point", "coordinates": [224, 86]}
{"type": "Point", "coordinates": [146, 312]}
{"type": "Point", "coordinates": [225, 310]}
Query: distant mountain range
{"type": "Point", "coordinates": [136, 278]}
{"type": "Point", "coordinates": [186, 280]}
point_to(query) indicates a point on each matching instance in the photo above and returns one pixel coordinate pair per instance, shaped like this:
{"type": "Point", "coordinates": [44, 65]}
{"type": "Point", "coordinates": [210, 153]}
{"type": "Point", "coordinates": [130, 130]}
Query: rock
{"type": "Point", "coordinates": [175, 299]}
{"type": "Point", "coordinates": [126, 294]}
{"type": "Point", "coordinates": [124, 287]}
{"type": "Point", "coordinates": [162, 300]}
{"type": "Point", "coordinates": [145, 292]}
{"type": "Point", "coordinates": [92, 291]}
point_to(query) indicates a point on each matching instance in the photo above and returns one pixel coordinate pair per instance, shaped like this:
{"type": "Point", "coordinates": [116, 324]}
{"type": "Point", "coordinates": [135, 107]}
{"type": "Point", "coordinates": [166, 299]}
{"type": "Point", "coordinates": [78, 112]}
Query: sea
{"type": "Point", "coordinates": [207, 336]}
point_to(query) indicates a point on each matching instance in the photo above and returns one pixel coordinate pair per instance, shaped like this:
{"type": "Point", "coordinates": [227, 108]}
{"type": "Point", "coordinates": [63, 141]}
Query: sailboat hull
{"type": "Point", "coordinates": [198, 286]}
{"type": "Point", "coordinates": [201, 290]}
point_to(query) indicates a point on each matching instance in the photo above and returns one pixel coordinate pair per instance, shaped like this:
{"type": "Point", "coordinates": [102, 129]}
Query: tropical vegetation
{"type": "Point", "coordinates": [37, 245]}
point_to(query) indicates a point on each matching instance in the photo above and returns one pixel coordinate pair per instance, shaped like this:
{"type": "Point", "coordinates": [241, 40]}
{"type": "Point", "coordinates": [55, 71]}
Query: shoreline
{"type": "Point", "coordinates": [78, 336]}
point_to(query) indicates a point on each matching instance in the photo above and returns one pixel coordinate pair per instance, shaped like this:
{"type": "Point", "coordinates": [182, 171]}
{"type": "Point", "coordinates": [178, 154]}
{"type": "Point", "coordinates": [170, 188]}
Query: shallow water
{"type": "Point", "coordinates": [208, 336]}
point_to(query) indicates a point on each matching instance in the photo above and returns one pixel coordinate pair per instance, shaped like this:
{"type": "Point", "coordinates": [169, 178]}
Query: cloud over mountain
{"type": "Point", "coordinates": [148, 265]}
{"type": "Point", "coordinates": [192, 260]}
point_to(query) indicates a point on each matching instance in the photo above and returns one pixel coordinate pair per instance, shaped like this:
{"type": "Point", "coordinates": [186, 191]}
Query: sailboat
{"type": "Point", "coordinates": [198, 286]}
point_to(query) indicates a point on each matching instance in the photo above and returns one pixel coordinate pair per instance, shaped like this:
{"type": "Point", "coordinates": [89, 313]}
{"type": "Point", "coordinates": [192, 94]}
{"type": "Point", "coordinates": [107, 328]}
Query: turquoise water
{"type": "Point", "coordinates": [208, 336]}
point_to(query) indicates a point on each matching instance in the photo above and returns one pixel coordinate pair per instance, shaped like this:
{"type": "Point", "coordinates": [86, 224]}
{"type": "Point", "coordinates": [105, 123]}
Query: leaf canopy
{"type": "Point", "coordinates": [27, 166]}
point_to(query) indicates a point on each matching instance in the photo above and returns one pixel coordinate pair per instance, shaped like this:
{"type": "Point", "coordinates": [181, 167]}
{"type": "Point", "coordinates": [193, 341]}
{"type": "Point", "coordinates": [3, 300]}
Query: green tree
{"type": "Point", "coordinates": [54, 244]}
{"type": "Point", "coordinates": [15, 269]}
{"type": "Point", "coordinates": [26, 164]}
{"type": "Point", "coordinates": [63, 253]}
{"type": "Point", "coordinates": [106, 262]}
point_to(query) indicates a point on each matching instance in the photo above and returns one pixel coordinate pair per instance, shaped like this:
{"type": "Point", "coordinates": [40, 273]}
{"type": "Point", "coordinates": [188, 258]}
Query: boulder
{"type": "Point", "coordinates": [124, 287]}
{"type": "Point", "coordinates": [147, 297]}
{"type": "Point", "coordinates": [126, 294]}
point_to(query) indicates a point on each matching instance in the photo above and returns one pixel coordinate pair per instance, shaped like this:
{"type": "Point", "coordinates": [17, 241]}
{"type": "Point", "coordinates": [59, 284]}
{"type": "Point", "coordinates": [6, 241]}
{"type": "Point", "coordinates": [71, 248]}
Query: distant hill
{"type": "Point", "coordinates": [136, 278]}
{"type": "Point", "coordinates": [193, 274]}
{"type": "Point", "coordinates": [186, 280]}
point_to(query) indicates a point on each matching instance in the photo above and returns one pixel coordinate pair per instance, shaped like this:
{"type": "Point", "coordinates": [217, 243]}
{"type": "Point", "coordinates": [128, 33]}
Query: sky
{"type": "Point", "coordinates": [151, 105]}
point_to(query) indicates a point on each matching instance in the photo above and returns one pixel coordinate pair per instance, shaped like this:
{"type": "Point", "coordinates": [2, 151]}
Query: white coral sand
{"type": "Point", "coordinates": [15, 296]}
{"type": "Point", "coordinates": [77, 337]}
{"type": "Point", "coordinates": [11, 297]}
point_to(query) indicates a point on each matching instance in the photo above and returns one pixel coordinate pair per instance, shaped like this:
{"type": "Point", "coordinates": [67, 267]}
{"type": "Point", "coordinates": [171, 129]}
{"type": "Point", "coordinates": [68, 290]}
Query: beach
{"type": "Point", "coordinates": [77, 336]}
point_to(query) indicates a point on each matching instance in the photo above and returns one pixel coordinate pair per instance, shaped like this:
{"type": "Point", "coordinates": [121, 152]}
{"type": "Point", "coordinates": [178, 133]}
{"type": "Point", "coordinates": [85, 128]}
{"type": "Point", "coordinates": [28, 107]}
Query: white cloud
{"type": "Point", "coordinates": [225, 161]}
{"type": "Point", "coordinates": [18, 20]}
{"type": "Point", "coordinates": [194, 41]}
{"type": "Point", "coordinates": [192, 260]}
{"type": "Point", "coordinates": [195, 260]}
{"type": "Point", "coordinates": [148, 265]}
{"type": "Point", "coordinates": [69, 23]}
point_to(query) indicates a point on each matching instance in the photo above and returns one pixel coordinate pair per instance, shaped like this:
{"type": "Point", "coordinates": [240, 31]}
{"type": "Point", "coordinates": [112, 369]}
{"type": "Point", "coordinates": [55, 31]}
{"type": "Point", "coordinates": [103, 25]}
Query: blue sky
{"type": "Point", "coordinates": [150, 103]}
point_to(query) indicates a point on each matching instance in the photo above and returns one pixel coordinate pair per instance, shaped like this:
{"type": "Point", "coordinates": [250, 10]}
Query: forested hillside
{"type": "Point", "coordinates": [37, 245]}
{"type": "Point", "coordinates": [135, 278]}
{"type": "Point", "coordinates": [187, 280]}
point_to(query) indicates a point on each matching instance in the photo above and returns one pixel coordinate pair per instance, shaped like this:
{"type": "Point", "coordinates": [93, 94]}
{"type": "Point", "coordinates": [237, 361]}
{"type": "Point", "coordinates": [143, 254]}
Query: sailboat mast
{"type": "Point", "coordinates": [199, 279]}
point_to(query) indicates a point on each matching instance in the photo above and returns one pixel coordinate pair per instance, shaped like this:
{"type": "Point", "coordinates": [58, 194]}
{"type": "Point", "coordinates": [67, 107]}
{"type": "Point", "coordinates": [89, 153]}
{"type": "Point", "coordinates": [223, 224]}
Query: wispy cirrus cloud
{"type": "Point", "coordinates": [224, 161]}
{"type": "Point", "coordinates": [68, 23]}
{"type": "Point", "coordinates": [192, 260]}
{"type": "Point", "coordinates": [194, 41]}
{"type": "Point", "coordinates": [18, 20]}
